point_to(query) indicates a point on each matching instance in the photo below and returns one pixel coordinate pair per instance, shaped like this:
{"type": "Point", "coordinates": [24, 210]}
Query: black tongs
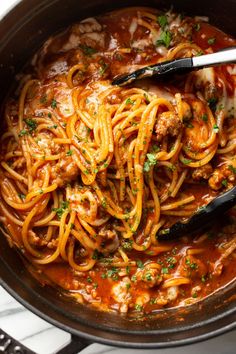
{"type": "Point", "coordinates": [202, 218]}
{"type": "Point", "coordinates": [227, 55]}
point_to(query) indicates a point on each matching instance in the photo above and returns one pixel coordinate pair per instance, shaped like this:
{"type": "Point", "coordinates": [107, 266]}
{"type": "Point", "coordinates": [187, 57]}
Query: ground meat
{"type": "Point", "coordinates": [111, 240]}
{"type": "Point", "coordinates": [202, 172]}
{"type": "Point", "coordinates": [121, 294]}
{"type": "Point", "coordinates": [187, 112]}
{"type": "Point", "coordinates": [87, 26]}
{"type": "Point", "coordinates": [149, 277]}
{"type": "Point", "coordinates": [36, 240]}
{"type": "Point", "coordinates": [191, 267]}
{"type": "Point", "coordinates": [221, 176]}
{"type": "Point", "coordinates": [168, 123]}
{"type": "Point", "coordinates": [64, 172]}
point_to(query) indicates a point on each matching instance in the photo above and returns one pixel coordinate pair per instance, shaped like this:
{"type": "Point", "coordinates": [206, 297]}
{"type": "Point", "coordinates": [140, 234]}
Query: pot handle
{"type": "Point", "coordinates": [9, 345]}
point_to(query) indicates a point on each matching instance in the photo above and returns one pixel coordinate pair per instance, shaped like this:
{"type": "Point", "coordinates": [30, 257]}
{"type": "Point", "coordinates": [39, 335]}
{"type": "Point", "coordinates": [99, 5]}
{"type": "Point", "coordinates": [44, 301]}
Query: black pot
{"type": "Point", "coordinates": [22, 31]}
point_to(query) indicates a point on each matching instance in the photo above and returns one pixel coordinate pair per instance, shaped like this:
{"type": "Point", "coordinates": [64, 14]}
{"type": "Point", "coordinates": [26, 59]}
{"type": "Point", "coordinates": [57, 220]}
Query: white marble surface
{"type": "Point", "coordinates": [44, 338]}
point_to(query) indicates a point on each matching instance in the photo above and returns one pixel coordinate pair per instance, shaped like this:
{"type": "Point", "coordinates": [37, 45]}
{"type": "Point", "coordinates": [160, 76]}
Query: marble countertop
{"type": "Point", "coordinates": [43, 338]}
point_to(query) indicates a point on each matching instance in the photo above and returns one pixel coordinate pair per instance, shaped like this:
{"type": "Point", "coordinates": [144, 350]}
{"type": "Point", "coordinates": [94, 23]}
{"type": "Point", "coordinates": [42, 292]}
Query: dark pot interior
{"type": "Point", "coordinates": [22, 32]}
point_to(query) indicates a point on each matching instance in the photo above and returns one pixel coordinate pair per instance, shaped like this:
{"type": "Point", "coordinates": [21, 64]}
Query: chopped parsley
{"type": "Point", "coordinates": [127, 245]}
{"type": "Point", "coordinates": [62, 209]}
{"type": "Point", "coordinates": [211, 40]}
{"type": "Point", "coordinates": [23, 132]}
{"type": "Point", "coordinates": [140, 264]}
{"type": "Point", "coordinates": [129, 101]}
{"type": "Point", "coordinates": [197, 27]}
{"type": "Point", "coordinates": [215, 128]}
{"type": "Point", "coordinates": [162, 20]}
{"type": "Point", "coordinates": [232, 169]}
{"type": "Point", "coordinates": [138, 307]}
{"type": "Point", "coordinates": [95, 254]}
{"type": "Point", "coordinates": [54, 103]}
{"type": "Point", "coordinates": [146, 97]}
{"type": "Point", "coordinates": [40, 191]}
{"type": "Point", "coordinates": [212, 103]}
{"type": "Point", "coordinates": [89, 280]}
{"type": "Point", "coordinates": [69, 153]}
{"type": "Point", "coordinates": [155, 148]}
{"type": "Point", "coordinates": [88, 50]}
{"type": "Point", "coordinates": [112, 273]}
{"type": "Point", "coordinates": [199, 53]}
{"type": "Point", "coordinates": [165, 39]}
{"type": "Point", "coordinates": [151, 161]}
{"type": "Point", "coordinates": [193, 265]}
{"type": "Point", "coordinates": [164, 270]}
{"type": "Point", "coordinates": [153, 301]}
{"type": "Point", "coordinates": [21, 196]}
{"type": "Point", "coordinates": [104, 67]}
{"type": "Point", "coordinates": [104, 203]}
{"type": "Point", "coordinates": [127, 270]}
{"type": "Point", "coordinates": [31, 124]}
{"type": "Point", "coordinates": [148, 276]}
{"type": "Point", "coordinates": [186, 161]}
{"type": "Point", "coordinates": [43, 99]}
{"type": "Point", "coordinates": [224, 183]}
{"type": "Point", "coordinates": [54, 126]}
{"type": "Point", "coordinates": [204, 117]}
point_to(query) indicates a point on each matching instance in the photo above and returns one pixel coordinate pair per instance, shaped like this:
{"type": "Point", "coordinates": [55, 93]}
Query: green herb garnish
{"type": "Point", "coordinates": [69, 153]}
{"type": "Point", "coordinates": [31, 124]}
{"type": "Point", "coordinates": [224, 183]}
{"type": "Point", "coordinates": [215, 128]}
{"type": "Point", "coordinates": [139, 264]}
{"type": "Point", "coordinates": [151, 161]}
{"type": "Point", "coordinates": [59, 211]}
{"type": "Point", "coordinates": [211, 40]}
{"type": "Point", "coordinates": [23, 132]}
{"type": "Point", "coordinates": [232, 169]}
{"type": "Point", "coordinates": [204, 117]}
{"type": "Point", "coordinates": [54, 103]}
{"type": "Point", "coordinates": [186, 161]}
{"type": "Point", "coordinates": [165, 39]}
{"type": "Point", "coordinates": [197, 27]}
{"type": "Point", "coordinates": [162, 20]}
{"type": "Point", "coordinates": [129, 101]}
{"type": "Point", "coordinates": [88, 50]}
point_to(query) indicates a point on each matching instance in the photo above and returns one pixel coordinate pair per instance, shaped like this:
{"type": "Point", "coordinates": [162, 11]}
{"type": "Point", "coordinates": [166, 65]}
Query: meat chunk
{"type": "Point", "coordinates": [168, 123]}
{"type": "Point", "coordinates": [121, 294]}
{"type": "Point", "coordinates": [191, 267]}
{"type": "Point", "coordinates": [149, 277]}
{"type": "Point", "coordinates": [221, 176]}
{"type": "Point", "coordinates": [87, 26]}
{"type": "Point", "coordinates": [187, 112]}
{"type": "Point", "coordinates": [203, 172]}
{"type": "Point", "coordinates": [36, 240]}
{"type": "Point", "coordinates": [111, 240]}
{"type": "Point", "coordinates": [64, 172]}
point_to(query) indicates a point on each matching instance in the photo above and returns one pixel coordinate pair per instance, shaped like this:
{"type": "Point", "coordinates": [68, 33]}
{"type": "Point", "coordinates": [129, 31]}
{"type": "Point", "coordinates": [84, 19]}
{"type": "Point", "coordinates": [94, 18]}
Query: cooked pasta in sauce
{"type": "Point", "coordinates": [90, 172]}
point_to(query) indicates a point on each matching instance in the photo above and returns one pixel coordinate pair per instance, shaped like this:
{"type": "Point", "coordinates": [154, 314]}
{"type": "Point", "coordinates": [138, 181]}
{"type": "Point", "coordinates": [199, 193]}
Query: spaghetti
{"type": "Point", "coordinates": [90, 172]}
